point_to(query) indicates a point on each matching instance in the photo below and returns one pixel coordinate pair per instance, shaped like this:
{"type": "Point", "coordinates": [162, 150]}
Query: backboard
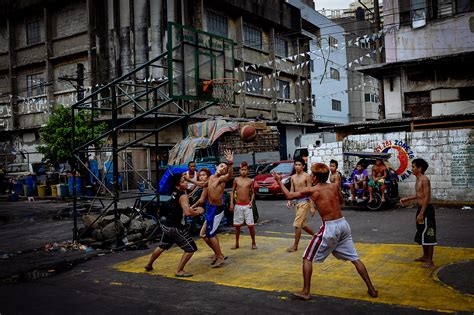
{"type": "Point", "coordinates": [195, 56]}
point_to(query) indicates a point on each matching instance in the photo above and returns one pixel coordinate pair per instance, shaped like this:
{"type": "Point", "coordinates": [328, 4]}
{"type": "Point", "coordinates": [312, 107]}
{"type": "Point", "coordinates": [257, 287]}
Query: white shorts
{"type": "Point", "coordinates": [333, 237]}
{"type": "Point", "coordinates": [243, 214]}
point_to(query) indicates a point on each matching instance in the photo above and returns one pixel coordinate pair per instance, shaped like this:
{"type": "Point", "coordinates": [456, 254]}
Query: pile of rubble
{"type": "Point", "coordinates": [101, 229]}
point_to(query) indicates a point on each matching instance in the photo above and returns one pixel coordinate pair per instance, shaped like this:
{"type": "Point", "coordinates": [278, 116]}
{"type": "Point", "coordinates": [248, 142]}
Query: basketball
{"type": "Point", "coordinates": [248, 133]}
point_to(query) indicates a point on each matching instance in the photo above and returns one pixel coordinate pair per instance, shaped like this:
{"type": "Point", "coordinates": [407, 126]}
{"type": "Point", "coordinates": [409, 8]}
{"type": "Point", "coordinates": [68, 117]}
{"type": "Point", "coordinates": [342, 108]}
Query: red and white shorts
{"type": "Point", "coordinates": [333, 237]}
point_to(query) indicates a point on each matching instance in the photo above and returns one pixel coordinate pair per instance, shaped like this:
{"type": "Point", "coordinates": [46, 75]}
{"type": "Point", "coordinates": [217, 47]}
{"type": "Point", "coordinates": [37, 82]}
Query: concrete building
{"type": "Point", "coordinates": [363, 90]}
{"type": "Point", "coordinates": [51, 51]}
{"type": "Point", "coordinates": [429, 58]}
{"type": "Point", "coordinates": [329, 83]}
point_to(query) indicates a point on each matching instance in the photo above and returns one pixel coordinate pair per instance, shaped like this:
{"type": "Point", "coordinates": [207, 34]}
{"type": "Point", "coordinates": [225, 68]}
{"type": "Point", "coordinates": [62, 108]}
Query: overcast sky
{"type": "Point", "coordinates": [332, 4]}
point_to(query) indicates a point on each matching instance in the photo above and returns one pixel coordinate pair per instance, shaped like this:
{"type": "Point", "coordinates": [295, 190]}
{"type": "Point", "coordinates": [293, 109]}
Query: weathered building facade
{"type": "Point", "coordinates": [429, 56]}
{"type": "Point", "coordinates": [52, 51]}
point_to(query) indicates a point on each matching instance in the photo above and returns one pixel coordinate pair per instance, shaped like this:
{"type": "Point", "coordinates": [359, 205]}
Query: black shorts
{"type": "Point", "coordinates": [426, 232]}
{"type": "Point", "coordinates": [178, 236]}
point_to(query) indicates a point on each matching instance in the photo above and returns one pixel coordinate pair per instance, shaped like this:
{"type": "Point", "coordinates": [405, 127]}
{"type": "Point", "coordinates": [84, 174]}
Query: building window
{"type": "Point", "coordinates": [33, 34]}
{"type": "Point", "coordinates": [281, 47]}
{"type": "Point", "coordinates": [334, 74]}
{"type": "Point", "coordinates": [418, 12]}
{"type": "Point", "coordinates": [367, 97]}
{"type": "Point", "coordinates": [311, 65]}
{"type": "Point", "coordinates": [34, 85]}
{"type": "Point", "coordinates": [254, 83]}
{"type": "Point", "coordinates": [332, 42]}
{"type": "Point", "coordinates": [313, 100]}
{"type": "Point", "coordinates": [283, 89]}
{"type": "Point", "coordinates": [336, 105]}
{"type": "Point", "coordinates": [252, 37]}
{"type": "Point", "coordinates": [217, 24]}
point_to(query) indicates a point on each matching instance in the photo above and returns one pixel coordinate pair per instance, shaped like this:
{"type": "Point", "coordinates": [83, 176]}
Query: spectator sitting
{"type": "Point", "coordinates": [359, 180]}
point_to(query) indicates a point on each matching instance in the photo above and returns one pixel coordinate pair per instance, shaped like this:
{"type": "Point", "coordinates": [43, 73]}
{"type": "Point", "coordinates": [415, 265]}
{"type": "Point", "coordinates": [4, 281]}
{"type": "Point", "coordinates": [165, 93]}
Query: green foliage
{"type": "Point", "coordinates": [56, 136]}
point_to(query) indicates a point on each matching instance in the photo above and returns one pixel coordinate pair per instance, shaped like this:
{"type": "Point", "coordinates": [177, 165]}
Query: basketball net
{"type": "Point", "coordinates": [223, 90]}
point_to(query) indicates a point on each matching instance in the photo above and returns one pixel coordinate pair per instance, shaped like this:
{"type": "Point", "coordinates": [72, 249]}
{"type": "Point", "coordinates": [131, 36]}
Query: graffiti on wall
{"type": "Point", "coordinates": [33, 105]}
{"type": "Point", "coordinates": [401, 157]}
{"type": "Point", "coordinates": [462, 164]}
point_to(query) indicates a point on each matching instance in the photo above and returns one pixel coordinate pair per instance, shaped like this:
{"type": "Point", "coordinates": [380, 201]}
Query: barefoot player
{"type": "Point", "coordinates": [425, 216]}
{"type": "Point", "coordinates": [244, 194]}
{"type": "Point", "coordinates": [300, 180]}
{"type": "Point", "coordinates": [334, 235]}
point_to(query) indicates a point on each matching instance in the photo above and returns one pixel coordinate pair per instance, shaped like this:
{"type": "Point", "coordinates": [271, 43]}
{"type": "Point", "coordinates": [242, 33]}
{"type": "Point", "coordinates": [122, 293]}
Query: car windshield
{"type": "Point", "coordinates": [16, 168]}
{"type": "Point", "coordinates": [284, 168]}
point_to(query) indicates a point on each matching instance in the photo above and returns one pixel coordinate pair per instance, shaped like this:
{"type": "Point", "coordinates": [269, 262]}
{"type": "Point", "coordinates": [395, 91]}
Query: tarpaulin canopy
{"type": "Point", "coordinates": [200, 135]}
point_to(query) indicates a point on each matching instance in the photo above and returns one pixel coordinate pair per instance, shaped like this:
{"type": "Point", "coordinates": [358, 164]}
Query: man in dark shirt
{"type": "Point", "coordinates": [174, 230]}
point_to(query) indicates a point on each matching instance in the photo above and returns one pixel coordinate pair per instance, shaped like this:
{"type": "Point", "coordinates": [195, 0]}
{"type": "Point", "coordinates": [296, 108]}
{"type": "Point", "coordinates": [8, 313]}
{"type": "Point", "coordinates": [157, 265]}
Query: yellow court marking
{"type": "Point", "coordinates": [399, 280]}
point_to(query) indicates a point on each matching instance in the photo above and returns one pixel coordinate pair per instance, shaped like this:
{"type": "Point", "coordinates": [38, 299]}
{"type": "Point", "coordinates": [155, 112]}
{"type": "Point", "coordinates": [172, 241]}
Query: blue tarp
{"type": "Point", "coordinates": [165, 187]}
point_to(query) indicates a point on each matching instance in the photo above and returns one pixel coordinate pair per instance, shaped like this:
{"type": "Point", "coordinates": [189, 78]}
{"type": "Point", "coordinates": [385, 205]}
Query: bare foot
{"type": "Point", "coordinates": [148, 268]}
{"type": "Point", "coordinates": [427, 265]}
{"type": "Point", "coordinates": [219, 262]}
{"type": "Point", "coordinates": [302, 296]}
{"type": "Point", "coordinates": [373, 293]}
{"type": "Point", "coordinates": [421, 259]}
{"type": "Point", "coordinates": [383, 199]}
{"type": "Point", "coordinates": [234, 247]}
{"type": "Point", "coordinates": [291, 249]}
{"type": "Point", "coordinates": [212, 257]}
{"type": "Point", "coordinates": [370, 200]}
{"type": "Point", "coordinates": [254, 246]}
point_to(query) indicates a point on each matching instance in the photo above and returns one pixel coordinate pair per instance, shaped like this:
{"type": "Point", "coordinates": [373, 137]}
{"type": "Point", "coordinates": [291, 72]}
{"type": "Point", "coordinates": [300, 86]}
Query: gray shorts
{"type": "Point", "coordinates": [333, 237]}
{"type": "Point", "coordinates": [180, 237]}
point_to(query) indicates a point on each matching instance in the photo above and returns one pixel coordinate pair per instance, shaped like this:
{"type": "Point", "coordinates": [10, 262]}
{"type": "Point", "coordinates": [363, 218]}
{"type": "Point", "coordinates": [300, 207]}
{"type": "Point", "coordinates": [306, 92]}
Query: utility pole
{"type": "Point", "coordinates": [77, 82]}
{"type": "Point", "coordinates": [378, 53]}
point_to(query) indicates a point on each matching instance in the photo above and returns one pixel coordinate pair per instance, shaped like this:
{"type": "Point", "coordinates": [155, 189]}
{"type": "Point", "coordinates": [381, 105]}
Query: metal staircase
{"type": "Point", "coordinates": [125, 104]}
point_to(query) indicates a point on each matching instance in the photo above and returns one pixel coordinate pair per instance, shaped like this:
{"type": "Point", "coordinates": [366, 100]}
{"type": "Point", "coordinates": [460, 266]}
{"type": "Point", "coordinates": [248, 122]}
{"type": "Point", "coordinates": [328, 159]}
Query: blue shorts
{"type": "Point", "coordinates": [214, 215]}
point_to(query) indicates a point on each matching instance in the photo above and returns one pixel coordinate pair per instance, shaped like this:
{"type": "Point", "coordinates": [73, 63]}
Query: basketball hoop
{"type": "Point", "coordinates": [223, 90]}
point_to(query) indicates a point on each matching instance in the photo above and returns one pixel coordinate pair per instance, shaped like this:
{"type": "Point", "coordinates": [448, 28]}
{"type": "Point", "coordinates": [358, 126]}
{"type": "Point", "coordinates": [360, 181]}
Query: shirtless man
{"type": "Point", "coordinates": [215, 206]}
{"type": "Point", "coordinates": [425, 216]}
{"type": "Point", "coordinates": [334, 235]}
{"type": "Point", "coordinates": [379, 173]}
{"type": "Point", "coordinates": [244, 193]}
{"type": "Point", "coordinates": [299, 181]}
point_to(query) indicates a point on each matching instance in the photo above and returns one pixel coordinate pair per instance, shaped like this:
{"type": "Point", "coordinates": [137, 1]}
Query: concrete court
{"type": "Point", "coordinates": [398, 279]}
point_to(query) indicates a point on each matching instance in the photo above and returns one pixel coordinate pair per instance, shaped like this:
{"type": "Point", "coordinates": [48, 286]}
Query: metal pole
{"type": "Point", "coordinates": [74, 199]}
{"type": "Point", "coordinates": [378, 53]}
{"type": "Point", "coordinates": [115, 164]}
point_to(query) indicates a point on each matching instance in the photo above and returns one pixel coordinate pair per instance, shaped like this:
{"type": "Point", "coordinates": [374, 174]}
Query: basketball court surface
{"type": "Point", "coordinates": [399, 280]}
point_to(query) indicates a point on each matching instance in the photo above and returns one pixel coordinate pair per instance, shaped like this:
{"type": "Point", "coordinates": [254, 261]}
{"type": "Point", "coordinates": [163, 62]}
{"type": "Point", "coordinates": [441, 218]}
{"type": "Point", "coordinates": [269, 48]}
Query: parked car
{"type": "Point", "coordinates": [22, 169]}
{"type": "Point", "coordinates": [265, 184]}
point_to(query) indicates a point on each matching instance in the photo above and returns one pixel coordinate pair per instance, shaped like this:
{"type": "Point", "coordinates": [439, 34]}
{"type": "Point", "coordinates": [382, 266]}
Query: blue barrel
{"type": "Point", "coordinates": [30, 185]}
{"type": "Point", "coordinates": [89, 191]}
{"type": "Point", "coordinates": [70, 181]}
{"type": "Point", "coordinates": [63, 191]}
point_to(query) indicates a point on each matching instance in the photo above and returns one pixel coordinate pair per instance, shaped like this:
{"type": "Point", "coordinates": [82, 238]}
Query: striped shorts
{"type": "Point", "coordinates": [333, 237]}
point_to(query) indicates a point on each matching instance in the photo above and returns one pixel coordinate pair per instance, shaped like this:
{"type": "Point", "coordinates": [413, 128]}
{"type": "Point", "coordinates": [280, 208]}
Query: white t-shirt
{"type": "Point", "coordinates": [190, 185]}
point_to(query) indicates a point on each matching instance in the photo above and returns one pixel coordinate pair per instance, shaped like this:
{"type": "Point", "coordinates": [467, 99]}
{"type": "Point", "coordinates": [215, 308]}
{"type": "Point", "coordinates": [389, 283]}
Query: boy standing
{"type": "Point", "coordinates": [335, 233]}
{"type": "Point", "coordinates": [425, 216]}
{"type": "Point", "coordinates": [300, 180]}
{"type": "Point", "coordinates": [244, 193]}
{"type": "Point", "coordinates": [174, 232]}
{"type": "Point", "coordinates": [335, 176]}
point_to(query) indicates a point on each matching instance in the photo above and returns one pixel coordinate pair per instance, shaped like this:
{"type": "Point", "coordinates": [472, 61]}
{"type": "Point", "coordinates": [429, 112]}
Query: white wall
{"type": "Point", "coordinates": [449, 153]}
{"type": "Point", "coordinates": [462, 107]}
{"type": "Point", "coordinates": [393, 98]}
{"type": "Point", "coordinates": [291, 134]}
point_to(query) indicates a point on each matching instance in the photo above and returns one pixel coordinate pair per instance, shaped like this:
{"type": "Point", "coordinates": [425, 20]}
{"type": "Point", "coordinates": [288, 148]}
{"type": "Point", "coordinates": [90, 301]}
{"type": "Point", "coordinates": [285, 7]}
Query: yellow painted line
{"type": "Point", "coordinates": [399, 280]}
{"type": "Point", "coordinates": [303, 235]}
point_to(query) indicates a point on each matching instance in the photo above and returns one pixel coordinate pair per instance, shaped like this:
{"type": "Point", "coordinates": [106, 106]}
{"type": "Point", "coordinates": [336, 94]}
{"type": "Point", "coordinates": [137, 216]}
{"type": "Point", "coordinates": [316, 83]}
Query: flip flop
{"type": "Point", "coordinates": [184, 275]}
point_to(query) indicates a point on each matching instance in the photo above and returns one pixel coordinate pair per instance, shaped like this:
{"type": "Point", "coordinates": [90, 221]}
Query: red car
{"type": "Point", "coordinates": [265, 184]}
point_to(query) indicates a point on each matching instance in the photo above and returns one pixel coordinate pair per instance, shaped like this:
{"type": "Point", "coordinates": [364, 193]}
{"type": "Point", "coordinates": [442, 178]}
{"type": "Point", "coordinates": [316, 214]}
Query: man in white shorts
{"type": "Point", "coordinates": [334, 235]}
{"type": "Point", "coordinates": [243, 192]}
